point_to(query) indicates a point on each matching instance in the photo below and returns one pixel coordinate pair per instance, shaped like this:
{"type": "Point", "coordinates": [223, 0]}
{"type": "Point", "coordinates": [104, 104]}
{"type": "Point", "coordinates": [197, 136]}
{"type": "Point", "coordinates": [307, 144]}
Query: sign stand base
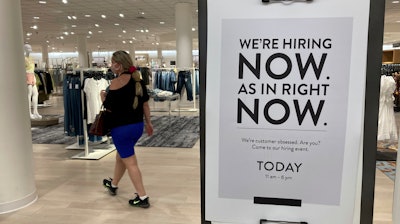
{"type": "Point", "coordinates": [266, 221]}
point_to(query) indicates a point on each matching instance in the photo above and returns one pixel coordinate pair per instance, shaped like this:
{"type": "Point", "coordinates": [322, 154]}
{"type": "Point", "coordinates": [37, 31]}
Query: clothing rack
{"type": "Point", "coordinates": [390, 69]}
{"type": "Point", "coordinates": [93, 151]}
{"type": "Point", "coordinates": [192, 71]}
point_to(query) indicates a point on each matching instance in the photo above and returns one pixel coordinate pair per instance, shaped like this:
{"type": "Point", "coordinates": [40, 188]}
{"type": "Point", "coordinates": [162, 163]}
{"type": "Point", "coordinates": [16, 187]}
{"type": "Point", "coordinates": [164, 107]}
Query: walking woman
{"type": "Point", "coordinates": [127, 102]}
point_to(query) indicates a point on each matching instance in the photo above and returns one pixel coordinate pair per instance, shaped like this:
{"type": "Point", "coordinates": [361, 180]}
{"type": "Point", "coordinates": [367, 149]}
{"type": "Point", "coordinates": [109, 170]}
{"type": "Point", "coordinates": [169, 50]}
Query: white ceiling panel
{"type": "Point", "coordinates": [60, 33]}
{"type": "Point", "coordinates": [113, 32]}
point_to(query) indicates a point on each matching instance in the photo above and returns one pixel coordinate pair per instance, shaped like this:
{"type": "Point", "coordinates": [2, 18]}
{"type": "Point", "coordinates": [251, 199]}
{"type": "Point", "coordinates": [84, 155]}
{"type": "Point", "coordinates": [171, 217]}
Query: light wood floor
{"type": "Point", "coordinates": [70, 191]}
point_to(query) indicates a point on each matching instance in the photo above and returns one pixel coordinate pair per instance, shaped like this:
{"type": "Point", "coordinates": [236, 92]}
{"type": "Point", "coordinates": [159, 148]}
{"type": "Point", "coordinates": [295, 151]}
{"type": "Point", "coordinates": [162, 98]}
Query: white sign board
{"type": "Point", "coordinates": [284, 108]}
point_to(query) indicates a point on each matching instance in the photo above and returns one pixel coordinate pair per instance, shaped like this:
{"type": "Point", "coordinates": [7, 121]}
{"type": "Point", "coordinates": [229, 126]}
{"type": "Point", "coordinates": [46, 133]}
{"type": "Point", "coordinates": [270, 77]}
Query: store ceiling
{"type": "Point", "coordinates": [54, 26]}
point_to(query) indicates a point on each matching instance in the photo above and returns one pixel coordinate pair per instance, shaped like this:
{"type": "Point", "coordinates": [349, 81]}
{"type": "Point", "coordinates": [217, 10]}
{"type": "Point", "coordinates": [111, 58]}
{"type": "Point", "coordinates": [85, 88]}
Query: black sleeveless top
{"type": "Point", "coordinates": [120, 103]}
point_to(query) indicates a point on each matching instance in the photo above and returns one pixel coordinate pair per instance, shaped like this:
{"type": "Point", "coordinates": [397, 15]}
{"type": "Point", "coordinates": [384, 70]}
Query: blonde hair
{"type": "Point", "coordinates": [123, 58]}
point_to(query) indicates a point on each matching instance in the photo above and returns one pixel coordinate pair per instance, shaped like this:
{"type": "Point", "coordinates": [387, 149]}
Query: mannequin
{"type": "Point", "coordinates": [387, 128]}
{"type": "Point", "coordinates": [33, 93]}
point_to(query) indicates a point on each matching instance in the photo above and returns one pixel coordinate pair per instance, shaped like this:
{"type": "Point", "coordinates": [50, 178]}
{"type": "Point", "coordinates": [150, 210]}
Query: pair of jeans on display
{"type": "Point", "coordinates": [165, 80]}
{"type": "Point", "coordinates": [185, 79]}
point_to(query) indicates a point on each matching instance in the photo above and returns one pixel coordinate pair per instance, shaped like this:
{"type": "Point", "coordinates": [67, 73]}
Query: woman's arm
{"type": "Point", "coordinates": [148, 124]}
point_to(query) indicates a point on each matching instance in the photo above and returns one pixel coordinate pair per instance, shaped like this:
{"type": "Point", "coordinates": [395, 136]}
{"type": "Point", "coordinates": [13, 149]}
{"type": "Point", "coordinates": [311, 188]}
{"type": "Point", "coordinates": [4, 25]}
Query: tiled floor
{"type": "Point", "coordinates": [70, 191]}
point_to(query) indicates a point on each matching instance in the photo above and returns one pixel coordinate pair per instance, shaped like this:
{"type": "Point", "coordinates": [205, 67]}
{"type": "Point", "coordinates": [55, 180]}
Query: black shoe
{"type": "Point", "coordinates": [107, 184]}
{"type": "Point", "coordinates": [137, 202]}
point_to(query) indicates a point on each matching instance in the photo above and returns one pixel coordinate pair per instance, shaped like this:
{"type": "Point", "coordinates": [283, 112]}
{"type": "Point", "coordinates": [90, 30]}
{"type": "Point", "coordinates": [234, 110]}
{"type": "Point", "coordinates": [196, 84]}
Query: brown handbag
{"type": "Point", "coordinates": [99, 126]}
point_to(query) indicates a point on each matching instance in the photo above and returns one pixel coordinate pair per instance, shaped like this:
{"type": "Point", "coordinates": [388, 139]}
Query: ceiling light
{"type": "Point", "coordinates": [146, 30]}
{"type": "Point", "coordinates": [100, 31]}
{"type": "Point", "coordinates": [193, 29]}
{"type": "Point", "coordinates": [42, 2]}
{"type": "Point", "coordinates": [36, 17]}
{"type": "Point", "coordinates": [130, 42]}
{"type": "Point", "coordinates": [124, 42]}
{"type": "Point", "coordinates": [72, 33]}
{"type": "Point", "coordinates": [34, 27]}
{"type": "Point", "coordinates": [29, 34]}
{"type": "Point", "coordinates": [62, 38]}
{"type": "Point", "coordinates": [395, 2]}
{"type": "Point", "coordinates": [162, 23]}
{"type": "Point", "coordinates": [124, 31]}
{"type": "Point", "coordinates": [103, 16]}
{"type": "Point", "coordinates": [87, 15]}
{"type": "Point", "coordinates": [116, 24]}
{"type": "Point", "coordinates": [90, 32]}
{"type": "Point", "coordinates": [73, 17]}
{"type": "Point", "coordinates": [73, 25]}
{"type": "Point", "coordinates": [66, 33]}
{"type": "Point", "coordinates": [65, 1]}
{"type": "Point", "coordinates": [96, 25]}
{"type": "Point", "coordinates": [121, 15]}
{"type": "Point", "coordinates": [69, 17]}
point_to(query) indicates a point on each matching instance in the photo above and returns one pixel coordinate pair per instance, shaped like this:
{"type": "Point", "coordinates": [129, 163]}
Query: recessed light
{"type": "Point", "coordinates": [96, 25]}
{"type": "Point", "coordinates": [162, 23]}
{"type": "Point", "coordinates": [65, 1]}
{"type": "Point", "coordinates": [34, 27]}
{"type": "Point", "coordinates": [395, 2]}
{"type": "Point", "coordinates": [121, 15]}
{"type": "Point", "coordinates": [36, 17]}
{"type": "Point", "coordinates": [42, 2]}
{"type": "Point", "coordinates": [116, 24]}
{"type": "Point", "coordinates": [73, 25]}
{"type": "Point", "coordinates": [103, 16]}
{"type": "Point", "coordinates": [87, 15]}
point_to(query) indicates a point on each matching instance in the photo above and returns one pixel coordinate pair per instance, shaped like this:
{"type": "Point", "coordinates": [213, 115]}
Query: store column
{"type": "Point", "coordinates": [160, 61]}
{"type": "Point", "coordinates": [184, 45]}
{"type": "Point", "coordinates": [82, 52]}
{"type": "Point", "coordinates": [45, 56]}
{"type": "Point", "coordinates": [133, 55]}
{"type": "Point", "coordinates": [18, 188]}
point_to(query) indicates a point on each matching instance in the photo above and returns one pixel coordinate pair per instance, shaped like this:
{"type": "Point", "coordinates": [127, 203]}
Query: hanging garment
{"type": "Point", "coordinates": [387, 129]}
{"type": "Point", "coordinates": [185, 80]}
{"type": "Point", "coordinates": [92, 89]}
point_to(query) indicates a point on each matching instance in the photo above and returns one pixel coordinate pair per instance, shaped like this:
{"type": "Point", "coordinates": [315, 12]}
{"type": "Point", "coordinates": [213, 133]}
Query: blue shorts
{"type": "Point", "coordinates": [125, 138]}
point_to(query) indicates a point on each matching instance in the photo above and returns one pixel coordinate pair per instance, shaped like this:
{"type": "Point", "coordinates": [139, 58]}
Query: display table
{"type": "Point", "coordinates": [46, 120]}
{"type": "Point", "coordinates": [173, 97]}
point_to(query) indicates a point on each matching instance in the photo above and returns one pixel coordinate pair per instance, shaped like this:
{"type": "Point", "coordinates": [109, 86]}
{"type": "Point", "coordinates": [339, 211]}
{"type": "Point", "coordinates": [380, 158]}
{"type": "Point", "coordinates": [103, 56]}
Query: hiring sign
{"type": "Point", "coordinates": [283, 101]}
{"type": "Point", "coordinates": [284, 110]}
